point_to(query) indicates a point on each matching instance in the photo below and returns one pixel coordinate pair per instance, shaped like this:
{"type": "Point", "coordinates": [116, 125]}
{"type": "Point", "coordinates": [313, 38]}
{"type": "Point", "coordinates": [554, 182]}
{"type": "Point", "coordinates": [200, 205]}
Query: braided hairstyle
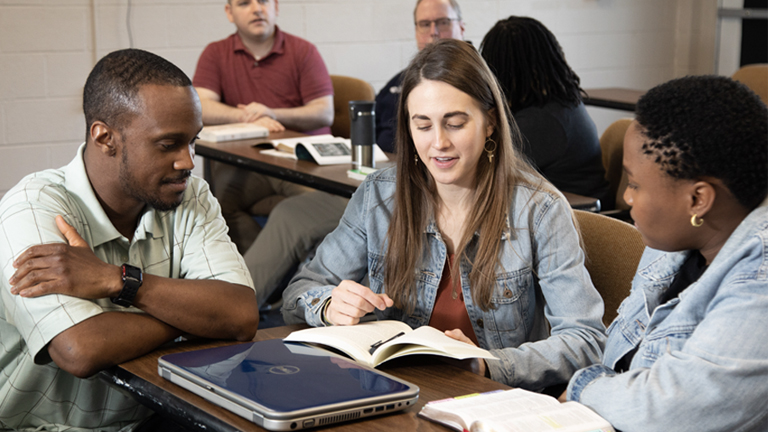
{"type": "Point", "coordinates": [529, 64]}
{"type": "Point", "coordinates": [708, 126]}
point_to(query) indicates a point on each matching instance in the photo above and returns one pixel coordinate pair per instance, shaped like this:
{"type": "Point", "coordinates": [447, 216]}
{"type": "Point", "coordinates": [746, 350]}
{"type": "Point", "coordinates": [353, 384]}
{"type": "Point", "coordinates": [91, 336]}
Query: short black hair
{"type": "Point", "coordinates": [113, 84]}
{"type": "Point", "coordinates": [529, 64]}
{"type": "Point", "coordinates": [708, 126]}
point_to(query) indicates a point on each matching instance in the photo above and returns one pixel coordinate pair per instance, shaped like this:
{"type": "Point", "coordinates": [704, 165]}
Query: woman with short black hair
{"type": "Point", "coordinates": [689, 349]}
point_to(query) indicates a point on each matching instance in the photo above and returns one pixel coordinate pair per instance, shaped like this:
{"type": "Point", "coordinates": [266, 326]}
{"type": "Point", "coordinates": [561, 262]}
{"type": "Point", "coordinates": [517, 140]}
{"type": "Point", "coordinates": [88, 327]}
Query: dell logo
{"type": "Point", "coordinates": [283, 370]}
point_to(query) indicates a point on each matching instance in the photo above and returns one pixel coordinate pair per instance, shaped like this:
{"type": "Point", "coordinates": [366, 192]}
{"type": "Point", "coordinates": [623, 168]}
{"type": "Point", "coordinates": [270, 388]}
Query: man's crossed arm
{"type": "Point", "coordinates": [207, 308]}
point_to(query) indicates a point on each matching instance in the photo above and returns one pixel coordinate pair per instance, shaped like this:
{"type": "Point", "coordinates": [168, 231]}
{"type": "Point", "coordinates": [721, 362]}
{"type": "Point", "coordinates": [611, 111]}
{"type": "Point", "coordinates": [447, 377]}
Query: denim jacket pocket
{"type": "Point", "coordinates": [509, 304]}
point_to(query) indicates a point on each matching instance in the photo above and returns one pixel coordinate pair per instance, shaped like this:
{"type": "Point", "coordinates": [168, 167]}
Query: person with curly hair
{"type": "Point", "coordinates": [689, 350]}
{"type": "Point", "coordinates": [544, 95]}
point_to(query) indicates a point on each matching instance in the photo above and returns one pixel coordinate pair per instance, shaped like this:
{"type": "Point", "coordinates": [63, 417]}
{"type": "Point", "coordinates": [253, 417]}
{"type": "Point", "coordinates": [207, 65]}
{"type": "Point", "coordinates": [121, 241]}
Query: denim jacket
{"type": "Point", "coordinates": [702, 358]}
{"type": "Point", "coordinates": [542, 275]}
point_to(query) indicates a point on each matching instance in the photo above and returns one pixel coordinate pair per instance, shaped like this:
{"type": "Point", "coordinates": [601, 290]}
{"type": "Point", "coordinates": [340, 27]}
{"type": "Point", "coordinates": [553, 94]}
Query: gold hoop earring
{"type": "Point", "coordinates": [489, 152]}
{"type": "Point", "coordinates": [696, 224]}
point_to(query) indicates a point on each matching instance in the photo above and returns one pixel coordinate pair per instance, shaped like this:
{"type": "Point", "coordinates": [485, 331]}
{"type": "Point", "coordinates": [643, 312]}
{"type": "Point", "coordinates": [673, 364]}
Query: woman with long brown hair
{"type": "Point", "coordinates": [462, 235]}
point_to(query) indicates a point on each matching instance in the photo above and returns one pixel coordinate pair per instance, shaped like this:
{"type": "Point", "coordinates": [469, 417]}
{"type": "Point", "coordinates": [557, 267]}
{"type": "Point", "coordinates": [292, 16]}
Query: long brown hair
{"type": "Point", "coordinates": [458, 64]}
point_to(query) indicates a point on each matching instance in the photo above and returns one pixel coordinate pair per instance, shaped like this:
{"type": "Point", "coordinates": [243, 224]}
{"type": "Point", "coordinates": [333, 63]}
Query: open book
{"type": "Point", "coordinates": [372, 343]}
{"type": "Point", "coordinates": [514, 410]}
{"type": "Point", "coordinates": [321, 149]}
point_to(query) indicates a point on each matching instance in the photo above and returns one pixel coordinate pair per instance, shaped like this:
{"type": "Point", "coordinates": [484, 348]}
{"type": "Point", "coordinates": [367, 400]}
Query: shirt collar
{"type": "Point", "coordinates": [102, 230]}
{"type": "Point", "coordinates": [278, 48]}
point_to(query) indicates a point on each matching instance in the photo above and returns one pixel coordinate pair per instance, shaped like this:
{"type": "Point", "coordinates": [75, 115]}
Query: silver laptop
{"type": "Point", "coordinates": [287, 386]}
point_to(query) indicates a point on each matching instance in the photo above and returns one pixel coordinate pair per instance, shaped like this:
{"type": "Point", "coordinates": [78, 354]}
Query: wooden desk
{"type": "Point", "coordinates": [614, 97]}
{"type": "Point", "coordinates": [329, 178]}
{"type": "Point", "coordinates": [435, 379]}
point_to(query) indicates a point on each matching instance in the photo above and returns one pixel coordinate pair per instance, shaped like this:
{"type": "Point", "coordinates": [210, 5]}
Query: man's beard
{"type": "Point", "coordinates": [132, 189]}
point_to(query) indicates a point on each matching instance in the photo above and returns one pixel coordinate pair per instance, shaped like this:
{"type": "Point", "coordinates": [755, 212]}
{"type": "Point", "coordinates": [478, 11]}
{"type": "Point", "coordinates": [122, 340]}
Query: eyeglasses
{"type": "Point", "coordinates": [442, 24]}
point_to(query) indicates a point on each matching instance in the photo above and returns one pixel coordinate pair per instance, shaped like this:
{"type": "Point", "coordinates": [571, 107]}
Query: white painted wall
{"type": "Point", "coordinates": [47, 48]}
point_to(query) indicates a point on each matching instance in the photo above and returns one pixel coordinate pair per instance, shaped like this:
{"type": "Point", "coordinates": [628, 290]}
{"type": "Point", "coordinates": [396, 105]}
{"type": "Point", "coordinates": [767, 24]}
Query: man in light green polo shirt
{"type": "Point", "coordinates": [118, 252]}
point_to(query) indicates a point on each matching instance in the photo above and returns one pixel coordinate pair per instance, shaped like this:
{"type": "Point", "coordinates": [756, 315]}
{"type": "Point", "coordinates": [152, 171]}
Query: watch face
{"type": "Point", "coordinates": [132, 273]}
{"type": "Point", "coordinates": [132, 279]}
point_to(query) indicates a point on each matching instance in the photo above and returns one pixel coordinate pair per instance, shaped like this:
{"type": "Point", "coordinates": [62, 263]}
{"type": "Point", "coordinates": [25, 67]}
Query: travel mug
{"type": "Point", "coordinates": [362, 121]}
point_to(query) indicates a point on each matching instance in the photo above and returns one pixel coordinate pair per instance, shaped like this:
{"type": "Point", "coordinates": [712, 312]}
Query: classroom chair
{"type": "Point", "coordinates": [612, 147]}
{"type": "Point", "coordinates": [754, 76]}
{"type": "Point", "coordinates": [613, 249]}
{"type": "Point", "coordinates": [347, 89]}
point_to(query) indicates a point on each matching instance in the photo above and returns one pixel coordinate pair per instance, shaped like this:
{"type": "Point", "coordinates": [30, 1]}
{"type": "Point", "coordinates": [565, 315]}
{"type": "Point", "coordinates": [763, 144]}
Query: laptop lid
{"type": "Point", "coordinates": [287, 386]}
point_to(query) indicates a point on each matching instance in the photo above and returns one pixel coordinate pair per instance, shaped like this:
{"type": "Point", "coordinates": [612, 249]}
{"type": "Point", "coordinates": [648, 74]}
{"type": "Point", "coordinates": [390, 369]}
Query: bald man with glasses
{"type": "Point", "coordinates": [433, 20]}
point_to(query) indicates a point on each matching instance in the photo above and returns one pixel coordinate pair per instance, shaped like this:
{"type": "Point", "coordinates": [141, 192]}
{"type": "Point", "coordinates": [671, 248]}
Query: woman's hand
{"type": "Point", "coordinates": [350, 301]}
{"type": "Point", "coordinates": [476, 365]}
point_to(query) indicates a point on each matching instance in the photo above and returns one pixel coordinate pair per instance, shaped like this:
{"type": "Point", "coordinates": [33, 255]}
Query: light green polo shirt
{"type": "Point", "coordinates": [189, 242]}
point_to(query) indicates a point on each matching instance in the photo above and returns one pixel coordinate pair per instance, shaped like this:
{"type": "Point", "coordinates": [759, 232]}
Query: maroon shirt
{"type": "Point", "coordinates": [289, 76]}
{"type": "Point", "coordinates": [450, 313]}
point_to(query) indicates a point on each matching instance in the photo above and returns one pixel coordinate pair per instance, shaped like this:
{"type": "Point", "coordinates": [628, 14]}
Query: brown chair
{"type": "Point", "coordinates": [612, 147]}
{"type": "Point", "coordinates": [347, 89]}
{"type": "Point", "coordinates": [754, 76]}
{"type": "Point", "coordinates": [613, 249]}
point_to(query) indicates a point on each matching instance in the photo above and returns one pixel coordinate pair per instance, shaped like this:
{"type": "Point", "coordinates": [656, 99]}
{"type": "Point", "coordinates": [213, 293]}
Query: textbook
{"type": "Point", "coordinates": [515, 410]}
{"type": "Point", "coordinates": [375, 342]}
{"type": "Point", "coordinates": [321, 149]}
{"type": "Point", "coordinates": [232, 131]}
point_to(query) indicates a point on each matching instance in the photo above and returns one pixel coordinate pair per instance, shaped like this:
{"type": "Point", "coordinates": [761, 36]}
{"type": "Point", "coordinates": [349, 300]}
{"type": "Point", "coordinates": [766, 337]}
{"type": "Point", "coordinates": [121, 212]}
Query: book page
{"type": "Point", "coordinates": [428, 340]}
{"type": "Point", "coordinates": [568, 417]}
{"type": "Point", "coordinates": [354, 340]}
{"type": "Point", "coordinates": [279, 153]}
{"type": "Point", "coordinates": [291, 142]}
{"type": "Point", "coordinates": [339, 151]}
{"type": "Point", "coordinates": [500, 405]}
{"type": "Point", "coordinates": [517, 410]}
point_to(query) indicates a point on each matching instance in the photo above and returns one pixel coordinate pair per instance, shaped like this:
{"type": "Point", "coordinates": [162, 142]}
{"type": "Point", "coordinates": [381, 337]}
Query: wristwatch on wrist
{"type": "Point", "coordinates": [132, 280]}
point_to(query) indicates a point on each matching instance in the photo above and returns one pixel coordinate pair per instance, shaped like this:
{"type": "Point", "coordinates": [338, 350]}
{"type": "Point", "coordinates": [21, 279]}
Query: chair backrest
{"type": "Point", "coordinates": [347, 89]}
{"type": "Point", "coordinates": [754, 76]}
{"type": "Point", "coordinates": [612, 146]}
{"type": "Point", "coordinates": [613, 249]}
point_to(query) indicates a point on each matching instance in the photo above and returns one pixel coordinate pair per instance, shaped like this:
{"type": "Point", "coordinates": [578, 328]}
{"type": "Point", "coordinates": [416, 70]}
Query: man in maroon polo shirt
{"type": "Point", "coordinates": [263, 75]}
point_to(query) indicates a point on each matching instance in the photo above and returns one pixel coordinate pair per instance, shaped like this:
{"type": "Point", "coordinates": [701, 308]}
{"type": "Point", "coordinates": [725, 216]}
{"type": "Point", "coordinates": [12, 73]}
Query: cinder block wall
{"type": "Point", "coordinates": [47, 48]}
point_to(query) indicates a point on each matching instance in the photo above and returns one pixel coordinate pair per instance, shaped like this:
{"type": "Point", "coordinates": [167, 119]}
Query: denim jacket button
{"type": "Point", "coordinates": [507, 293]}
{"type": "Point", "coordinates": [480, 322]}
{"type": "Point", "coordinates": [314, 301]}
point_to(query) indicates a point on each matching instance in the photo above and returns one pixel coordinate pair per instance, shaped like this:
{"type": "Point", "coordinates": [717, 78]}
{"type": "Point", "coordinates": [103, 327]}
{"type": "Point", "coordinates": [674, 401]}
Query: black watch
{"type": "Point", "coordinates": [132, 280]}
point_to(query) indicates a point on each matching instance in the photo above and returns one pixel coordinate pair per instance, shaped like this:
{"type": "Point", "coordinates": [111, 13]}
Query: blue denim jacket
{"type": "Point", "coordinates": [542, 275]}
{"type": "Point", "coordinates": [702, 361]}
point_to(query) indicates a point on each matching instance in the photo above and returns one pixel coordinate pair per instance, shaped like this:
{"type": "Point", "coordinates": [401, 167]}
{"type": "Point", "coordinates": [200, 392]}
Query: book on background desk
{"type": "Point", "coordinates": [375, 342]}
{"type": "Point", "coordinates": [321, 149]}
{"type": "Point", "coordinates": [360, 173]}
{"type": "Point", "coordinates": [232, 131]}
{"type": "Point", "coordinates": [515, 410]}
